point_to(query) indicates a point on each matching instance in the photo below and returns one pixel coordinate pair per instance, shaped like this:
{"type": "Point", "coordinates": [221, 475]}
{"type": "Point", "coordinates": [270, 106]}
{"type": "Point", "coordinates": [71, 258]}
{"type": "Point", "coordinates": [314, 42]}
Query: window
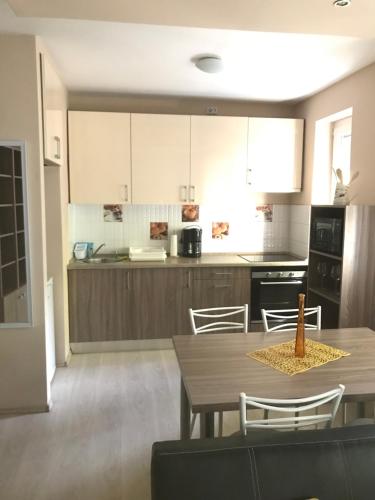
{"type": "Point", "coordinates": [341, 148]}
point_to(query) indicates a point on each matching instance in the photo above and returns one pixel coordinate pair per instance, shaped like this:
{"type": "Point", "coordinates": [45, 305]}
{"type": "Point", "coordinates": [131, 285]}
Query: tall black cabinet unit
{"type": "Point", "coordinates": [326, 261]}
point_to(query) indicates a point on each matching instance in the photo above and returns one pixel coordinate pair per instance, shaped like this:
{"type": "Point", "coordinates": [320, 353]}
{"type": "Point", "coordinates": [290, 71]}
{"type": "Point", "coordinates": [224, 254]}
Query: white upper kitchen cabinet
{"type": "Point", "coordinates": [218, 158]}
{"type": "Point", "coordinates": [53, 109]}
{"type": "Point", "coordinates": [275, 147]}
{"type": "Point", "coordinates": [99, 157]}
{"type": "Point", "coordinates": [160, 147]}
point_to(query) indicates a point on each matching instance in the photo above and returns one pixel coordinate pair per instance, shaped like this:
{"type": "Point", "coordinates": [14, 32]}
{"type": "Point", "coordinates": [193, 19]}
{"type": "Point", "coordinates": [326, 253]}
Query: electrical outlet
{"type": "Point", "coordinates": [212, 110]}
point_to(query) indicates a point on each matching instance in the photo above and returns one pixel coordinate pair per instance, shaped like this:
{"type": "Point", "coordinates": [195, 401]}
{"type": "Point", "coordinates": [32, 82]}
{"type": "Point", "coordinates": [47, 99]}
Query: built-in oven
{"type": "Point", "coordinates": [276, 289]}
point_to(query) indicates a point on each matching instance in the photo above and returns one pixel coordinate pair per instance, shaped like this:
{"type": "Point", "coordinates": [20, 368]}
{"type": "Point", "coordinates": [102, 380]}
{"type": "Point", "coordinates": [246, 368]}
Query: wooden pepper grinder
{"type": "Point", "coordinates": [299, 351]}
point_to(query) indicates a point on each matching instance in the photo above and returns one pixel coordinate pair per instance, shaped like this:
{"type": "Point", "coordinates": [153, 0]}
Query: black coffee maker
{"type": "Point", "coordinates": [191, 240]}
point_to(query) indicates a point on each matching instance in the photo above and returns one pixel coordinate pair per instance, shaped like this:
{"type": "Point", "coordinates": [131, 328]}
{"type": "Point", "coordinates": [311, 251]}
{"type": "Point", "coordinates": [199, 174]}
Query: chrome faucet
{"type": "Point", "coordinates": [97, 250]}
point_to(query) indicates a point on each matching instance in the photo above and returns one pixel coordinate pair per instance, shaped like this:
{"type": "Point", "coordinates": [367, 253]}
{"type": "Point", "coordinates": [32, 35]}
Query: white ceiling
{"type": "Point", "coordinates": [100, 56]}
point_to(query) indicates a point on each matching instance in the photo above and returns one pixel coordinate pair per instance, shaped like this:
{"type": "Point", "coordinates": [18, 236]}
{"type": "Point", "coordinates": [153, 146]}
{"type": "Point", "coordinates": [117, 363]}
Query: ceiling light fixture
{"type": "Point", "coordinates": [342, 3]}
{"type": "Point", "coordinates": [209, 64]}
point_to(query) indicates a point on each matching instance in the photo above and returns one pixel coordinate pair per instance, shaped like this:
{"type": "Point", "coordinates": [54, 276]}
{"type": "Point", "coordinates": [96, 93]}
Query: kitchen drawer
{"type": "Point", "coordinates": [221, 273]}
{"type": "Point", "coordinates": [220, 292]}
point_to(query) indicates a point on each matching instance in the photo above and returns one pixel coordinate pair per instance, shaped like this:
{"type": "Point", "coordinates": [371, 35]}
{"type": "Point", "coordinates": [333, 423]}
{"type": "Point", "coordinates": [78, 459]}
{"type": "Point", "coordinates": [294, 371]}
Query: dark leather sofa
{"type": "Point", "coordinates": [328, 464]}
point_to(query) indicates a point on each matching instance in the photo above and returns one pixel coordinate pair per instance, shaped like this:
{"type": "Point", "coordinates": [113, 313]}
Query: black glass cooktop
{"type": "Point", "coordinates": [270, 257]}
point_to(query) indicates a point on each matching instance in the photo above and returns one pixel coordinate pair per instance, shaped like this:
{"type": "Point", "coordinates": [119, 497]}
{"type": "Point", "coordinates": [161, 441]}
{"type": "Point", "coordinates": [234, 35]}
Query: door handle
{"type": "Point", "coordinates": [183, 193]}
{"type": "Point", "coordinates": [58, 147]}
{"type": "Point", "coordinates": [248, 176]}
{"type": "Point", "coordinates": [124, 193]}
{"type": "Point", "coordinates": [191, 193]}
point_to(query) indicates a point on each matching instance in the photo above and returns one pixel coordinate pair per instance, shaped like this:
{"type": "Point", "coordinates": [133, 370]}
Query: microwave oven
{"type": "Point", "coordinates": [327, 234]}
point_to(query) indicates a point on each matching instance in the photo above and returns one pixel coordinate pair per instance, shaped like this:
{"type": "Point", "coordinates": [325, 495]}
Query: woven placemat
{"type": "Point", "coordinates": [282, 358]}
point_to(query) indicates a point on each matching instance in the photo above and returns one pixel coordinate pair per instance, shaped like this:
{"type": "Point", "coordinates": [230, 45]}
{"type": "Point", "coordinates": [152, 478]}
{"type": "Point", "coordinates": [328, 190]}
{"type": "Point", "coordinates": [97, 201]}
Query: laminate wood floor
{"type": "Point", "coordinates": [96, 442]}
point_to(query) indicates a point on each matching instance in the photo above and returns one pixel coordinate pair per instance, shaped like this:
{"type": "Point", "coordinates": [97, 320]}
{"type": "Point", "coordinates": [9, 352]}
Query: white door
{"type": "Point", "coordinates": [275, 148]}
{"type": "Point", "coordinates": [99, 157]}
{"type": "Point", "coordinates": [218, 158]}
{"type": "Point", "coordinates": [160, 147]}
{"type": "Point", "coordinates": [50, 335]}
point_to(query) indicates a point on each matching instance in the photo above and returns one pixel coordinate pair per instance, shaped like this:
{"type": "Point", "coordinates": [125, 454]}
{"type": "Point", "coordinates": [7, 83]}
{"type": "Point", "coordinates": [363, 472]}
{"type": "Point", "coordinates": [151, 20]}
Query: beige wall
{"type": "Point", "coordinates": [356, 91]}
{"type": "Point", "coordinates": [22, 350]}
{"type": "Point", "coordinates": [85, 101]}
{"type": "Point", "coordinates": [58, 251]}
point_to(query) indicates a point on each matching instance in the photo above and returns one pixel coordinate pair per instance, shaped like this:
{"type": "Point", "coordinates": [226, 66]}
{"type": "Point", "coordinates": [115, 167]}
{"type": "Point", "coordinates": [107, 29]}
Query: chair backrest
{"type": "Point", "coordinates": [214, 319]}
{"type": "Point", "coordinates": [295, 410]}
{"type": "Point", "coordinates": [284, 317]}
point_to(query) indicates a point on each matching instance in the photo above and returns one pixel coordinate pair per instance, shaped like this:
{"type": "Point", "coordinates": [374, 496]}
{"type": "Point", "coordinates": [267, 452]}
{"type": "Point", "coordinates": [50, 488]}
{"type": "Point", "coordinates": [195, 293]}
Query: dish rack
{"type": "Point", "coordinates": [147, 254]}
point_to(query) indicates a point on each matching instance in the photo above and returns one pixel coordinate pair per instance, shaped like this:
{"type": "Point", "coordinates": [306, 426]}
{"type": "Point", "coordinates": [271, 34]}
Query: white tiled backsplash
{"type": "Point", "coordinates": [288, 231]}
{"type": "Point", "coordinates": [299, 229]}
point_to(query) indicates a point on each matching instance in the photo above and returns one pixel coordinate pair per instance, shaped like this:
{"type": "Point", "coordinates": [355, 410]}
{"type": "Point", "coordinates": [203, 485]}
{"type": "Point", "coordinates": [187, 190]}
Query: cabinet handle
{"type": "Point", "coordinates": [225, 274]}
{"type": "Point", "coordinates": [248, 176]}
{"type": "Point", "coordinates": [128, 280]}
{"type": "Point", "coordinates": [58, 147]}
{"type": "Point", "coordinates": [22, 296]}
{"type": "Point", "coordinates": [281, 283]}
{"type": "Point", "coordinates": [192, 193]}
{"type": "Point", "coordinates": [183, 193]}
{"type": "Point", "coordinates": [124, 193]}
{"type": "Point", "coordinates": [222, 286]}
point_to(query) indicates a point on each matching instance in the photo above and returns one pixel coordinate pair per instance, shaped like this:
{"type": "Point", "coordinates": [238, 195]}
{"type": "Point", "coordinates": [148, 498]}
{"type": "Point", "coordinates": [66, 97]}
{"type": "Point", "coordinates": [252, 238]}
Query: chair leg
{"type": "Point", "coordinates": [221, 423]}
{"type": "Point", "coordinates": [192, 423]}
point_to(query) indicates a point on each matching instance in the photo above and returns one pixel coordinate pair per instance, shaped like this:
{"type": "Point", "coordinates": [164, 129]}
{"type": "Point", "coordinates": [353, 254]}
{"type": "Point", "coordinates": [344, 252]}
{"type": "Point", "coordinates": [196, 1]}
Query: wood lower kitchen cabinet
{"type": "Point", "coordinates": [100, 306]}
{"type": "Point", "coordinates": [161, 299]}
{"type": "Point", "coordinates": [148, 303]}
{"type": "Point", "coordinates": [220, 287]}
{"type": "Point", "coordinates": [118, 304]}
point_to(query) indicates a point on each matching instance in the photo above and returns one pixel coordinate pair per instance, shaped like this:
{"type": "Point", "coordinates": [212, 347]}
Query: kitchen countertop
{"type": "Point", "coordinates": [207, 260]}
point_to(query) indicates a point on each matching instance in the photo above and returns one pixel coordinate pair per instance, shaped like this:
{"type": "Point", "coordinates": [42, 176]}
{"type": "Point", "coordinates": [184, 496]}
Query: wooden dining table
{"type": "Point", "coordinates": [215, 369]}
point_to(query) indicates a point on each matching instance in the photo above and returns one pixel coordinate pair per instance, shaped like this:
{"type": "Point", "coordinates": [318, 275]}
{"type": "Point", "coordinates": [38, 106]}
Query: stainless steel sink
{"type": "Point", "coordinates": [104, 260]}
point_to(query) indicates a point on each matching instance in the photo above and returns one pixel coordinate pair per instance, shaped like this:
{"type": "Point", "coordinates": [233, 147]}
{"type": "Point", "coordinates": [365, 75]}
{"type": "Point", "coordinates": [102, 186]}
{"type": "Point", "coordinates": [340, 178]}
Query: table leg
{"type": "Point", "coordinates": [207, 428]}
{"type": "Point", "coordinates": [361, 409]}
{"type": "Point", "coordinates": [184, 413]}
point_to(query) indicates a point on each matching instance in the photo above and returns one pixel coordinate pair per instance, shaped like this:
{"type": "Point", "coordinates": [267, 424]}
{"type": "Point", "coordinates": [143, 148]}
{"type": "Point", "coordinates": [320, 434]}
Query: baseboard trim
{"type": "Point", "coordinates": [26, 409]}
{"type": "Point", "coordinates": [66, 362]}
{"type": "Point", "coordinates": [120, 345]}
